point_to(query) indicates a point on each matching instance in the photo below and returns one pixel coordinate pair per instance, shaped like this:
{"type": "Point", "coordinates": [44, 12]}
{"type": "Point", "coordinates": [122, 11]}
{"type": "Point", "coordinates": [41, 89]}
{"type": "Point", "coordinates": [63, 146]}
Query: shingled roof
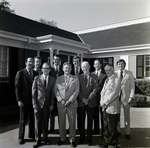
{"type": "Point", "coordinates": [136, 34]}
{"type": "Point", "coordinates": [16, 24]}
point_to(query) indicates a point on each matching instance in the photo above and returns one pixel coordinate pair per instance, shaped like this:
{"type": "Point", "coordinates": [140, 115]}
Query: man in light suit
{"type": "Point", "coordinates": [23, 87]}
{"type": "Point", "coordinates": [127, 93]}
{"type": "Point", "coordinates": [110, 106]}
{"type": "Point", "coordinates": [56, 71]}
{"type": "Point", "coordinates": [101, 79]}
{"type": "Point", "coordinates": [66, 92]}
{"type": "Point", "coordinates": [43, 102]}
{"type": "Point", "coordinates": [86, 102]}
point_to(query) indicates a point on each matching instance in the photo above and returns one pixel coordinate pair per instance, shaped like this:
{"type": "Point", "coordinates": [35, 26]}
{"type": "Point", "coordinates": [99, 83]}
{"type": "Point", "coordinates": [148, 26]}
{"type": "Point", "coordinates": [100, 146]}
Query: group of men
{"type": "Point", "coordinates": [74, 92]}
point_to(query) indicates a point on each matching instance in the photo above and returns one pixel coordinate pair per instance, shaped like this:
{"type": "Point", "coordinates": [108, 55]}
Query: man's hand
{"type": "Point", "coordinates": [129, 101]}
{"type": "Point", "coordinates": [20, 104]}
{"type": "Point", "coordinates": [67, 104]}
{"type": "Point", "coordinates": [51, 107]}
{"type": "Point", "coordinates": [85, 101]}
{"type": "Point", "coordinates": [62, 102]}
{"type": "Point", "coordinates": [103, 107]}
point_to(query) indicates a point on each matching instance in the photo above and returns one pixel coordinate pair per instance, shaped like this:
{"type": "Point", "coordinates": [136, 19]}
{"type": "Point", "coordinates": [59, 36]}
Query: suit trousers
{"type": "Point", "coordinates": [126, 109]}
{"type": "Point", "coordinates": [26, 113]}
{"type": "Point", "coordinates": [90, 116]}
{"type": "Point", "coordinates": [71, 112]}
{"type": "Point", "coordinates": [110, 128]}
{"type": "Point", "coordinates": [41, 123]}
{"type": "Point", "coordinates": [96, 120]}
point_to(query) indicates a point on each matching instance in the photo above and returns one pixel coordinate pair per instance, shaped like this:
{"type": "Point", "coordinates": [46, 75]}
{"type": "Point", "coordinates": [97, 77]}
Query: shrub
{"type": "Point", "coordinates": [142, 86]}
{"type": "Point", "coordinates": [140, 101]}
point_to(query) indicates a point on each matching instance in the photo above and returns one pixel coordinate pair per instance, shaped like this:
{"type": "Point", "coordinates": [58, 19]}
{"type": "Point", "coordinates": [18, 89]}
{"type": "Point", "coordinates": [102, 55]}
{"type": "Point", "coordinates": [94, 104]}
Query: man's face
{"type": "Point", "coordinates": [76, 62]}
{"type": "Point", "coordinates": [121, 65]}
{"type": "Point", "coordinates": [46, 69]}
{"type": "Point", "coordinates": [85, 68]}
{"type": "Point", "coordinates": [29, 63]}
{"type": "Point", "coordinates": [97, 65]}
{"type": "Point", "coordinates": [56, 60]}
{"type": "Point", "coordinates": [67, 69]}
{"type": "Point", "coordinates": [37, 63]}
{"type": "Point", "coordinates": [109, 71]}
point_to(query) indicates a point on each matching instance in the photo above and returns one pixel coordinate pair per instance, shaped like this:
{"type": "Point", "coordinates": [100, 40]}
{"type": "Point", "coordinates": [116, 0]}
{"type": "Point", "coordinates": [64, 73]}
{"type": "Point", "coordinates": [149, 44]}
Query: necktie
{"type": "Point", "coordinates": [85, 80]}
{"type": "Point", "coordinates": [30, 75]}
{"type": "Point", "coordinates": [76, 71]}
{"type": "Point", "coordinates": [45, 81]}
{"type": "Point", "coordinates": [121, 75]}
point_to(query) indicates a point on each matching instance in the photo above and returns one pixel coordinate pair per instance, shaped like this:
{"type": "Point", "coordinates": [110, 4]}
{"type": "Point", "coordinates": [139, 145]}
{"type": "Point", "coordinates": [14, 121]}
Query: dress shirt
{"type": "Point", "coordinates": [46, 78]}
{"type": "Point", "coordinates": [98, 72]}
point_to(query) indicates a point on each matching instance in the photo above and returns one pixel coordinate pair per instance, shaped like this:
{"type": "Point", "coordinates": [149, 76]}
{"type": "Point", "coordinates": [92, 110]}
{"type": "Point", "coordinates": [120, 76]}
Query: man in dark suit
{"type": "Point", "coordinates": [56, 71]}
{"type": "Point", "coordinates": [76, 66]}
{"type": "Point", "coordinates": [37, 65]}
{"type": "Point", "coordinates": [101, 79]}
{"type": "Point", "coordinates": [86, 102]}
{"type": "Point", "coordinates": [43, 102]}
{"type": "Point", "coordinates": [23, 87]}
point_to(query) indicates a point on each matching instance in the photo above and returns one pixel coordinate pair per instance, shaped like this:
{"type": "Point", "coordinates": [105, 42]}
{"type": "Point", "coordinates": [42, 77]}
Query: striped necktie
{"type": "Point", "coordinates": [31, 75]}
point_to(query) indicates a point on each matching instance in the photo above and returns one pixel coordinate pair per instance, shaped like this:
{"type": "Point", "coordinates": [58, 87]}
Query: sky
{"type": "Point", "coordinates": [75, 15]}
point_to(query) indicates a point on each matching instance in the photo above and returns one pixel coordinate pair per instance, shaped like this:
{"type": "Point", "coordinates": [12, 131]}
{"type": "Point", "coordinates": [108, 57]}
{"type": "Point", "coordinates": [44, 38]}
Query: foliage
{"type": "Point", "coordinates": [140, 101]}
{"type": "Point", "coordinates": [50, 23]}
{"type": "Point", "coordinates": [5, 6]}
{"type": "Point", "coordinates": [143, 86]}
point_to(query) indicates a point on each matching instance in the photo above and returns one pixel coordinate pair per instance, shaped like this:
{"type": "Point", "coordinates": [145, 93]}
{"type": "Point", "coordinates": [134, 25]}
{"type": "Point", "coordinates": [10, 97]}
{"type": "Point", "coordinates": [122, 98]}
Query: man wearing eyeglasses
{"type": "Point", "coordinates": [43, 103]}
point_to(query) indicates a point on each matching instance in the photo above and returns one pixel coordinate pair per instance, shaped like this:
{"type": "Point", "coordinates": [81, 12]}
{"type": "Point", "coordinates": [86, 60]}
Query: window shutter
{"type": "Point", "coordinates": [140, 66]}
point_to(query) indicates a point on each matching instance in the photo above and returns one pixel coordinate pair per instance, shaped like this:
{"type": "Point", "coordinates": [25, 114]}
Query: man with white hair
{"type": "Point", "coordinates": [86, 102]}
{"type": "Point", "coordinates": [110, 106]}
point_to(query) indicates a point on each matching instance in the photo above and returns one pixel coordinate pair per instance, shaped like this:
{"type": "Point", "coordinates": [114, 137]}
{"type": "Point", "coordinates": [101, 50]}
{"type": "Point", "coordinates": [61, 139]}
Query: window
{"type": "Point", "coordinates": [143, 66]}
{"type": "Point", "coordinates": [4, 61]}
{"type": "Point", "coordinates": [147, 66]}
{"type": "Point", "coordinates": [105, 61]}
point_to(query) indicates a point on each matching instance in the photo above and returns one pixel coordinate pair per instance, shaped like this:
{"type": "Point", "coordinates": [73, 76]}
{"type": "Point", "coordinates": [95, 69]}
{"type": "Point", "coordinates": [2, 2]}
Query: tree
{"type": "Point", "coordinates": [50, 23]}
{"type": "Point", "coordinates": [5, 6]}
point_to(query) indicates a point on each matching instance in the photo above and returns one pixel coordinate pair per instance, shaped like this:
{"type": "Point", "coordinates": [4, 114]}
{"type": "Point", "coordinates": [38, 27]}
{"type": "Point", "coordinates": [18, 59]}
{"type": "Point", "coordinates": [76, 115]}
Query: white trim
{"type": "Point", "coordinates": [116, 25]}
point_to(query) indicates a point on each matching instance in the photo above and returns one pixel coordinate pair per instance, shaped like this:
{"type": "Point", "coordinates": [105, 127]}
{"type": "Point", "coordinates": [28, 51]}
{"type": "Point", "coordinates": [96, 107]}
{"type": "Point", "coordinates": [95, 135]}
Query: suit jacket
{"type": "Point", "coordinates": [23, 86]}
{"type": "Point", "coordinates": [73, 71]}
{"type": "Point", "coordinates": [101, 79]}
{"type": "Point", "coordinates": [40, 92]}
{"type": "Point", "coordinates": [55, 74]}
{"type": "Point", "coordinates": [127, 86]}
{"type": "Point", "coordinates": [89, 91]}
{"type": "Point", "coordinates": [110, 94]}
{"type": "Point", "coordinates": [67, 92]}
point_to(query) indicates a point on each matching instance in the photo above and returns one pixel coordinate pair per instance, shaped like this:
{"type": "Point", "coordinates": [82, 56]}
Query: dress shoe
{"type": "Point", "coordinates": [128, 137]}
{"type": "Point", "coordinates": [104, 145]}
{"type": "Point", "coordinates": [38, 142]}
{"type": "Point", "coordinates": [21, 141]}
{"type": "Point", "coordinates": [81, 141]}
{"type": "Point", "coordinates": [51, 131]}
{"type": "Point", "coordinates": [73, 144]}
{"type": "Point", "coordinates": [47, 142]}
{"type": "Point", "coordinates": [60, 142]}
{"type": "Point", "coordinates": [118, 134]}
{"type": "Point", "coordinates": [89, 143]}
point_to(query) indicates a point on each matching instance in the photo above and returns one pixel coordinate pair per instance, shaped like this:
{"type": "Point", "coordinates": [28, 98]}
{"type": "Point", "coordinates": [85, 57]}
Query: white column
{"type": "Point", "coordinates": [81, 56]}
{"type": "Point", "coordinates": [51, 56]}
{"type": "Point", "coordinates": [57, 51]}
{"type": "Point", "coordinates": [69, 58]}
{"type": "Point", "coordinates": [38, 53]}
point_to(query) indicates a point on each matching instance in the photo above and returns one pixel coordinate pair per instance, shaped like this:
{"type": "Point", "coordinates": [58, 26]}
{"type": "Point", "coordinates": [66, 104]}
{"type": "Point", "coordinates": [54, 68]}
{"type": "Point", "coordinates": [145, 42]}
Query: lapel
{"type": "Point", "coordinates": [27, 75]}
{"type": "Point", "coordinates": [70, 80]}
